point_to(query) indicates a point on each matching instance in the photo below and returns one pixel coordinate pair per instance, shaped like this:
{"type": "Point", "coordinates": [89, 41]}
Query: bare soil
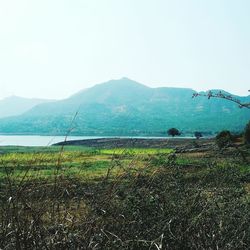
{"type": "Point", "coordinates": [176, 143]}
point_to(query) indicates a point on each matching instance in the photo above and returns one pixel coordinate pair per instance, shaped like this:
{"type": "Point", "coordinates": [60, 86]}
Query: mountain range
{"type": "Point", "coordinates": [15, 105]}
{"type": "Point", "coordinates": [125, 107]}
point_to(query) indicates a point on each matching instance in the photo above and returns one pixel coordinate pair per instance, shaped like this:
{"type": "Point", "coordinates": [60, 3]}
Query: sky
{"type": "Point", "coordinates": [54, 48]}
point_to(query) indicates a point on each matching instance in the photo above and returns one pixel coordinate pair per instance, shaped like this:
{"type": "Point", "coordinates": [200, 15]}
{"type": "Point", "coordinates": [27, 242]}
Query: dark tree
{"type": "Point", "coordinates": [224, 139]}
{"type": "Point", "coordinates": [247, 133]}
{"type": "Point", "coordinates": [198, 135]}
{"type": "Point", "coordinates": [174, 132]}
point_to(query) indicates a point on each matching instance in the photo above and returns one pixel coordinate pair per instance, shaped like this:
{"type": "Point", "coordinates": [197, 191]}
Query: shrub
{"type": "Point", "coordinates": [224, 139]}
{"type": "Point", "coordinates": [247, 133]}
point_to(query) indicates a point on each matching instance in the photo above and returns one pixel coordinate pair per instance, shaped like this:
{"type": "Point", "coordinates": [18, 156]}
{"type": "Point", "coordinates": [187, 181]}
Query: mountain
{"type": "Point", "coordinates": [126, 107]}
{"type": "Point", "coordinates": [15, 105]}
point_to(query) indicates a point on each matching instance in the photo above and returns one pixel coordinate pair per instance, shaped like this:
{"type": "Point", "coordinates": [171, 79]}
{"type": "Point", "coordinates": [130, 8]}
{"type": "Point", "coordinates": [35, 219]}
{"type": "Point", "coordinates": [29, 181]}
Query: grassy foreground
{"type": "Point", "coordinates": [84, 198]}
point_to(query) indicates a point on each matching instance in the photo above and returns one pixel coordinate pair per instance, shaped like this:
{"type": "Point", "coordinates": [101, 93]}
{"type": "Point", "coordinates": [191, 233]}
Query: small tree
{"type": "Point", "coordinates": [174, 132]}
{"type": "Point", "coordinates": [198, 135]}
{"type": "Point", "coordinates": [224, 139]}
{"type": "Point", "coordinates": [247, 133]}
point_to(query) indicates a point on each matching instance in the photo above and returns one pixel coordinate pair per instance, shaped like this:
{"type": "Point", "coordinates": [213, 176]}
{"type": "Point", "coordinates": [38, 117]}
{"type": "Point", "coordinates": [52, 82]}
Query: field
{"type": "Point", "coordinates": [73, 161]}
{"type": "Point", "coordinates": [75, 197]}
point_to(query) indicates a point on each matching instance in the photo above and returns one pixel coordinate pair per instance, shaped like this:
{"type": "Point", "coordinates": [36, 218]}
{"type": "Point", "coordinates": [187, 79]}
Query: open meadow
{"type": "Point", "coordinates": [73, 197]}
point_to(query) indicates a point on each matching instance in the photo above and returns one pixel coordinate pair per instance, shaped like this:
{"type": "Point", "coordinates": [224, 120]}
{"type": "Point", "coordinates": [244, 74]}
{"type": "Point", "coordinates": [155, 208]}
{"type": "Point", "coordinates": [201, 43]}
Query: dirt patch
{"type": "Point", "coordinates": [180, 143]}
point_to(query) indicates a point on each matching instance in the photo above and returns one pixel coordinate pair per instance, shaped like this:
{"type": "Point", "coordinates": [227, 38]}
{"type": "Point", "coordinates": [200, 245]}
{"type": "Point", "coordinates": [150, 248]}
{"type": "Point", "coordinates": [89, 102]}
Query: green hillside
{"type": "Point", "coordinates": [125, 107]}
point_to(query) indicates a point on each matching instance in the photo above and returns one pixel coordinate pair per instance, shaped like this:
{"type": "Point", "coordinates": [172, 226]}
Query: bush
{"type": "Point", "coordinates": [247, 133]}
{"type": "Point", "coordinates": [224, 139]}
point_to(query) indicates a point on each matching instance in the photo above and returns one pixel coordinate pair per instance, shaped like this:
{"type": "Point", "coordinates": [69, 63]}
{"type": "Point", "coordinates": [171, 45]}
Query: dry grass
{"type": "Point", "coordinates": [90, 200]}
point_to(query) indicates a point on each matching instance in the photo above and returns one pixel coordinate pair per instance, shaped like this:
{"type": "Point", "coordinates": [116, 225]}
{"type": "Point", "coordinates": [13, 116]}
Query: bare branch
{"type": "Point", "coordinates": [210, 94]}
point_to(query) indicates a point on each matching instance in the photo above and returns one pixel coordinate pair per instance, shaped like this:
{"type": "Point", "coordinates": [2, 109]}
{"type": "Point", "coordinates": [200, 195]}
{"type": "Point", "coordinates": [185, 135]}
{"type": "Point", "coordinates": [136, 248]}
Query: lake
{"type": "Point", "coordinates": [36, 140]}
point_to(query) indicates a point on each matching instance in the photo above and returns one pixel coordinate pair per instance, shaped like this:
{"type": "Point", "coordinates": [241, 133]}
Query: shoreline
{"type": "Point", "coordinates": [115, 142]}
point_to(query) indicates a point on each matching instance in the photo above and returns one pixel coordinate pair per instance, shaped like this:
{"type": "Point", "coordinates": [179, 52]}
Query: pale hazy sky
{"type": "Point", "coordinates": [54, 48]}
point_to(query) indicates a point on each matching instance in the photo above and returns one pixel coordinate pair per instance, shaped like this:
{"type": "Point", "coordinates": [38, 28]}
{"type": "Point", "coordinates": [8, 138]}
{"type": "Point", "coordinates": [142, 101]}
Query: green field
{"type": "Point", "coordinates": [42, 162]}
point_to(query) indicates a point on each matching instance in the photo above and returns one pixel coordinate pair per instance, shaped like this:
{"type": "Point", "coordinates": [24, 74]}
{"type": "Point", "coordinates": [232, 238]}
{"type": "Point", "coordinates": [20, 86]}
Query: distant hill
{"type": "Point", "coordinates": [126, 107]}
{"type": "Point", "coordinates": [14, 105]}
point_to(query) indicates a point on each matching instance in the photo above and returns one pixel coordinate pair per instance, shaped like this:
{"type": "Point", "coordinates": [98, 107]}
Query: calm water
{"type": "Point", "coordinates": [35, 140]}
